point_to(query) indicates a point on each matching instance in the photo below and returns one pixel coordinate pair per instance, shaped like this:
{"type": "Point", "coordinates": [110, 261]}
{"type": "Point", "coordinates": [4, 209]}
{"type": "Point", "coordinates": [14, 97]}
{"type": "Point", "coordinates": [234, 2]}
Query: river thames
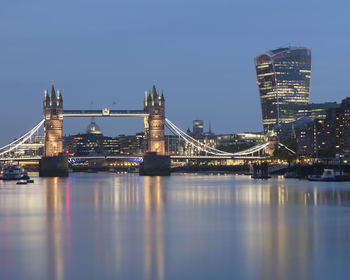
{"type": "Point", "coordinates": [198, 226]}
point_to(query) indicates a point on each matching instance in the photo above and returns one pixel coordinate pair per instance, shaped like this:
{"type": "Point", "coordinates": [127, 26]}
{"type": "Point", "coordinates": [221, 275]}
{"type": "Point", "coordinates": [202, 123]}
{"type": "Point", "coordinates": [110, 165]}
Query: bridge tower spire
{"type": "Point", "coordinates": [155, 105]}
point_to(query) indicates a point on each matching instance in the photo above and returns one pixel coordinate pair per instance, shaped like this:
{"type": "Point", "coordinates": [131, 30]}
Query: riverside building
{"type": "Point", "coordinates": [329, 137]}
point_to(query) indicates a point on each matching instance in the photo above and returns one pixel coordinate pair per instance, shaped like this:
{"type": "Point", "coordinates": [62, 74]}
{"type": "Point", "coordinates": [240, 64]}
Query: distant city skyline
{"type": "Point", "coordinates": [107, 54]}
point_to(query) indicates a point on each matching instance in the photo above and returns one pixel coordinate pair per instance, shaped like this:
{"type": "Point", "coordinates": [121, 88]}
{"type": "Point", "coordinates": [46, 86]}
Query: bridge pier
{"type": "Point", "coordinates": [56, 166]}
{"type": "Point", "coordinates": [155, 165]}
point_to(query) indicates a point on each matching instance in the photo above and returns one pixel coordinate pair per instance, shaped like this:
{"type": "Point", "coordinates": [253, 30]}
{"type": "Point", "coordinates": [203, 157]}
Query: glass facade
{"type": "Point", "coordinates": [313, 110]}
{"type": "Point", "coordinates": [283, 78]}
{"type": "Point", "coordinates": [91, 144]}
{"type": "Point", "coordinates": [198, 126]}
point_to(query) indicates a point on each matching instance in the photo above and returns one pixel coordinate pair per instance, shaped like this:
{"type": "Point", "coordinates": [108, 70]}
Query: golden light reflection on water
{"type": "Point", "coordinates": [154, 200]}
{"type": "Point", "coordinates": [273, 225]}
{"type": "Point", "coordinates": [58, 224]}
{"type": "Point", "coordinates": [281, 245]}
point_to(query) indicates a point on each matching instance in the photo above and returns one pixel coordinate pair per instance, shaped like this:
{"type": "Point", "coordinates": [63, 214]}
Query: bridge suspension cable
{"type": "Point", "coordinates": [19, 141]}
{"type": "Point", "coordinates": [190, 140]}
{"type": "Point", "coordinates": [252, 150]}
{"type": "Point", "coordinates": [289, 150]}
{"type": "Point", "coordinates": [210, 150]}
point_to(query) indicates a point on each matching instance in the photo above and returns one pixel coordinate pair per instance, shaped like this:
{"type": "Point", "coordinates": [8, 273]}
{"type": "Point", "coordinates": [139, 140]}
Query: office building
{"type": "Point", "coordinates": [329, 137]}
{"type": "Point", "coordinates": [312, 110]}
{"type": "Point", "coordinates": [240, 138]}
{"type": "Point", "coordinates": [198, 126]}
{"type": "Point", "coordinates": [91, 143]}
{"type": "Point", "coordinates": [132, 144]}
{"type": "Point", "coordinates": [283, 78]}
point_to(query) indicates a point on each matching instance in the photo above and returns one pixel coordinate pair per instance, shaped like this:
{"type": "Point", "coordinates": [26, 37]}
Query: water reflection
{"type": "Point", "coordinates": [202, 191]}
{"type": "Point", "coordinates": [154, 200]}
{"type": "Point", "coordinates": [283, 193]}
{"type": "Point", "coordinates": [58, 227]}
{"type": "Point", "coordinates": [105, 226]}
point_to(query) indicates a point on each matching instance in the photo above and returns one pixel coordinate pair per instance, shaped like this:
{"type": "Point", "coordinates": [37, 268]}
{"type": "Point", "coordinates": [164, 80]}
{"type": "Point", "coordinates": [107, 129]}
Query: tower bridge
{"type": "Point", "coordinates": [54, 163]}
{"type": "Point", "coordinates": [153, 114]}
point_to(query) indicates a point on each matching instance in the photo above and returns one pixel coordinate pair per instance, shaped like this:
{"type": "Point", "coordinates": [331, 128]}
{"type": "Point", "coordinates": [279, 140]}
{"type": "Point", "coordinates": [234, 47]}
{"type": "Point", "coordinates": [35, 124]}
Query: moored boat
{"type": "Point", "coordinates": [11, 172]}
{"type": "Point", "coordinates": [329, 175]}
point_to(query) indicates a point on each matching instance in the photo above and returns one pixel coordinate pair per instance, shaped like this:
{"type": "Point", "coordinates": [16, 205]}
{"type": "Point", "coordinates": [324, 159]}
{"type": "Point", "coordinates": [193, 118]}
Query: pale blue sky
{"type": "Point", "coordinates": [200, 52]}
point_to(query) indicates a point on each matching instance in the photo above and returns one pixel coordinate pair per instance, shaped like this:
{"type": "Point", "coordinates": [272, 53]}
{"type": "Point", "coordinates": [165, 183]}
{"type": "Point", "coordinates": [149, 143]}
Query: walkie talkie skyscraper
{"type": "Point", "coordinates": [283, 78]}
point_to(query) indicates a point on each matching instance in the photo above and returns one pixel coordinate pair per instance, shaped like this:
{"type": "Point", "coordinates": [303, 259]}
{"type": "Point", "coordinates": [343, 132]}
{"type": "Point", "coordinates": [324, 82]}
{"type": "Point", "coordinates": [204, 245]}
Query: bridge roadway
{"type": "Point", "coordinates": [136, 157]}
{"type": "Point", "coordinates": [105, 113]}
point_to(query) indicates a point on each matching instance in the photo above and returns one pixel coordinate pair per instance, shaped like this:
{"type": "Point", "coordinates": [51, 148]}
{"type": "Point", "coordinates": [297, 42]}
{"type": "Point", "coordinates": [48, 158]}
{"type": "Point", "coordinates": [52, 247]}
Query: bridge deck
{"type": "Point", "coordinates": [105, 113]}
{"type": "Point", "coordinates": [137, 157]}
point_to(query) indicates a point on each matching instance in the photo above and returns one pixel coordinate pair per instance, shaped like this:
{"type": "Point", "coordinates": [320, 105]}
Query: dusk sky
{"type": "Point", "coordinates": [200, 52]}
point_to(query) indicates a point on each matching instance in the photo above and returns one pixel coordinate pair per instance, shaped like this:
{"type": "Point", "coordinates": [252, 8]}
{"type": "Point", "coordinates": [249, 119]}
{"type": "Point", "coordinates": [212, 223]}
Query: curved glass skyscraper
{"type": "Point", "coordinates": [283, 78]}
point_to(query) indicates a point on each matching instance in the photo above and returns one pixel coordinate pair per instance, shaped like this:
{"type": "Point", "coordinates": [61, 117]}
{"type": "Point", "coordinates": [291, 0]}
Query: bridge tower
{"type": "Point", "coordinates": [155, 162]}
{"type": "Point", "coordinates": [53, 125]}
{"type": "Point", "coordinates": [53, 163]}
{"type": "Point", "coordinates": [154, 126]}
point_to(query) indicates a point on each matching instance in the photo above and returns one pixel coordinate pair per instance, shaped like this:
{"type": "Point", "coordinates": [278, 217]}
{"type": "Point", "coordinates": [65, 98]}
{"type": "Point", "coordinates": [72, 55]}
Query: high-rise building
{"type": "Point", "coordinates": [198, 126]}
{"type": "Point", "coordinates": [283, 78]}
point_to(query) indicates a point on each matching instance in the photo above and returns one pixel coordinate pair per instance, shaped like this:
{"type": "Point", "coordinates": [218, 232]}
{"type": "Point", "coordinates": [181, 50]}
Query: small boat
{"type": "Point", "coordinates": [11, 172]}
{"type": "Point", "coordinates": [24, 175]}
{"type": "Point", "coordinates": [21, 182]}
{"type": "Point", "coordinates": [329, 175]}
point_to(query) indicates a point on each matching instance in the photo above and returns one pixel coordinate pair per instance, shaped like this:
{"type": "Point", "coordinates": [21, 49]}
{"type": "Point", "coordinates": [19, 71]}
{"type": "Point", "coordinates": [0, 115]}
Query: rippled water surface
{"type": "Point", "coordinates": [109, 226]}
